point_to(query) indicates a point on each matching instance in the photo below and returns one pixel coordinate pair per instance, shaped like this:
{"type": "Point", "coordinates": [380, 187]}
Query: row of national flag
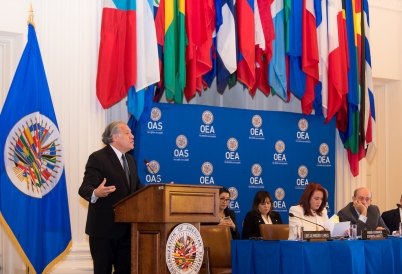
{"type": "Point", "coordinates": [317, 50]}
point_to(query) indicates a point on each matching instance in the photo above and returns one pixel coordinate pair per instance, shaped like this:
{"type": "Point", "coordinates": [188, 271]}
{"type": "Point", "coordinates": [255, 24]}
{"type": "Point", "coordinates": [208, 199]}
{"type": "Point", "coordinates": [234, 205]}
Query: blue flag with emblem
{"type": "Point", "coordinates": [33, 194]}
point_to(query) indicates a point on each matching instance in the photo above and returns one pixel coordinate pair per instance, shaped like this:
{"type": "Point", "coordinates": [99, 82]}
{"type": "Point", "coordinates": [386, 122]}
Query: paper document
{"type": "Point", "coordinates": [337, 228]}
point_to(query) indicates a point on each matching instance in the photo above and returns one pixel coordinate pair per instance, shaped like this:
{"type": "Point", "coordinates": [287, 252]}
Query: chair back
{"type": "Point", "coordinates": [217, 238]}
{"type": "Point", "coordinates": [274, 232]}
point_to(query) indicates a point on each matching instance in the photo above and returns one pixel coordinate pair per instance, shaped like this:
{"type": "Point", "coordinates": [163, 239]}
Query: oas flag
{"type": "Point", "coordinates": [33, 195]}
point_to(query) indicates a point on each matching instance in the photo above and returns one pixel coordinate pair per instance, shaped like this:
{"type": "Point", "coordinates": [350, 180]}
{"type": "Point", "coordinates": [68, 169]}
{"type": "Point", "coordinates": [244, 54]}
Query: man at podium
{"type": "Point", "coordinates": [110, 175]}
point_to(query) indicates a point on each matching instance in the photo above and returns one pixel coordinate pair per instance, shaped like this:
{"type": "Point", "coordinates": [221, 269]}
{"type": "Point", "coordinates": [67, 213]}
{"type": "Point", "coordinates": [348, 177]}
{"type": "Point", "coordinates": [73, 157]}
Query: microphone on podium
{"type": "Point", "coordinates": [148, 165]}
{"type": "Point", "coordinates": [291, 215]}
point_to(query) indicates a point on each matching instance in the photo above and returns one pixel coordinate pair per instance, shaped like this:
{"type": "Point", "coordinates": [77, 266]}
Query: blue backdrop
{"type": "Point", "coordinates": [242, 150]}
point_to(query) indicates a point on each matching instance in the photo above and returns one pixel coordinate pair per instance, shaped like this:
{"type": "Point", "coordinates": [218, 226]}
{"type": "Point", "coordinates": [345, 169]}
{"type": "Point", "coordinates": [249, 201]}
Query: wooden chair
{"type": "Point", "coordinates": [217, 238]}
{"type": "Point", "coordinates": [274, 232]}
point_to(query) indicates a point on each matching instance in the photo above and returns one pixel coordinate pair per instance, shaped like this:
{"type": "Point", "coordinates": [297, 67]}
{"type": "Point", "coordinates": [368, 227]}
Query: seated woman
{"type": "Point", "coordinates": [260, 213]}
{"type": "Point", "coordinates": [311, 207]}
{"type": "Point", "coordinates": [228, 216]}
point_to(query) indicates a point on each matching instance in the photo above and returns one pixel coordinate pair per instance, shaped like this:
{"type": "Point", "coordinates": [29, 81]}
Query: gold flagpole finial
{"type": "Point", "coordinates": [31, 16]}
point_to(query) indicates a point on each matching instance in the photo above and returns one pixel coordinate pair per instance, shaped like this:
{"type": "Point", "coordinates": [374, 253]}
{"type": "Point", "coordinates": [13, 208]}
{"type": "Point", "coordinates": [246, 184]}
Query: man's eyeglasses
{"type": "Point", "coordinates": [223, 200]}
{"type": "Point", "coordinates": [361, 199]}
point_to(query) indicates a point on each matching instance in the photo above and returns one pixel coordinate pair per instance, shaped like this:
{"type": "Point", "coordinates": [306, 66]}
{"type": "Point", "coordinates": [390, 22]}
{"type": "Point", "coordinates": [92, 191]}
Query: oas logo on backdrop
{"type": "Point", "coordinates": [280, 204]}
{"type": "Point", "coordinates": [33, 155]}
{"type": "Point", "coordinates": [232, 156]}
{"type": "Point", "coordinates": [207, 168]}
{"type": "Point", "coordinates": [255, 180]}
{"type": "Point", "coordinates": [302, 135]}
{"type": "Point", "coordinates": [180, 153]}
{"type": "Point", "coordinates": [207, 130]}
{"type": "Point", "coordinates": [234, 205]}
{"type": "Point", "coordinates": [184, 250]}
{"type": "Point", "coordinates": [323, 159]}
{"type": "Point", "coordinates": [153, 168]}
{"type": "Point", "coordinates": [155, 126]}
{"type": "Point", "coordinates": [302, 181]}
{"type": "Point", "coordinates": [280, 157]}
{"type": "Point", "coordinates": [256, 132]}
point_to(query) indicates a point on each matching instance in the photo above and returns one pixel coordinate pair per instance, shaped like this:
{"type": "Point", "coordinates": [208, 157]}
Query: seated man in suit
{"type": "Point", "coordinates": [392, 217]}
{"type": "Point", "coordinates": [362, 212]}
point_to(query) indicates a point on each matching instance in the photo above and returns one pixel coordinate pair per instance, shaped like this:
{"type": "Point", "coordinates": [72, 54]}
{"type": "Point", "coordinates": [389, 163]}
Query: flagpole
{"type": "Point", "coordinates": [31, 16]}
{"type": "Point", "coordinates": [30, 21]}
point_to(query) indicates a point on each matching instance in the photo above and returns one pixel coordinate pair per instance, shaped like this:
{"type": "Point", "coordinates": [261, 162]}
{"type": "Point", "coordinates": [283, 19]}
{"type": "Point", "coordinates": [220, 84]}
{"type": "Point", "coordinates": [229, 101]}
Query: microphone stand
{"type": "Point", "coordinates": [292, 215]}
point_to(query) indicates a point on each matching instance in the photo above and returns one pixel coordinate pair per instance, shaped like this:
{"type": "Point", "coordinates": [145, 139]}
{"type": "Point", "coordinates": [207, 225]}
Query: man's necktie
{"type": "Point", "coordinates": [125, 167]}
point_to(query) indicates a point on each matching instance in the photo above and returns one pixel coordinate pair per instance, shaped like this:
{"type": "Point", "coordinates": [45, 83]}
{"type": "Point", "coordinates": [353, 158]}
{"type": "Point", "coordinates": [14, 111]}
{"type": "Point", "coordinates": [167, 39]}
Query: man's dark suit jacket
{"type": "Point", "coordinates": [252, 221]}
{"type": "Point", "coordinates": [392, 218]}
{"type": "Point", "coordinates": [374, 220]}
{"type": "Point", "coordinates": [101, 164]}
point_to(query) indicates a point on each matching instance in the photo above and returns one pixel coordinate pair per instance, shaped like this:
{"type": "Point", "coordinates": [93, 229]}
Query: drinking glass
{"type": "Point", "coordinates": [353, 232]}
{"type": "Point", "coordinates": [299, 232]}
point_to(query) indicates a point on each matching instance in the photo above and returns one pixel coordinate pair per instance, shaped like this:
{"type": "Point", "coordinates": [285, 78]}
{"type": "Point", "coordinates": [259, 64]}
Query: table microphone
{"type": "Point", "coordinates": [291, 215]}
{"type": "Point", "coordinates": [148, 165]}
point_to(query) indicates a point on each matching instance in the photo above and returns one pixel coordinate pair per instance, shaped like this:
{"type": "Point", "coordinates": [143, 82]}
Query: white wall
{"type": "Point", "coordinates": [68, 34]}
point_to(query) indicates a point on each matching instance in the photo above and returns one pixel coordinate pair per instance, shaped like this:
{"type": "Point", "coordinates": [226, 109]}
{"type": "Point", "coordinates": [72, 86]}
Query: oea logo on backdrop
{"type": "Point", "coordinates": [256, 132]}
{"type": "Point", "coordinates": [207, 168]}
{"type": "Point", "coordinates": [302, 135]}
{"type": "Point", "coordinates": [207, 130]}
{"type": "Point", "coordinates": [255, 180]}
{"type": "Point", "coordinates": [280, 157]}
{"type": "Point", "coordinates": [232, 156]}
{"type": "Point", "coordinates": [180, 153]}
{"type": "Point", "coordinates": [153, 168]}
{"type": "Point", "coordinates": [323, 159]}
{"type": "Point", "coordinates": [233, 205]}
{"type": "Point", "coordinates": [302, 181]}
{"type": "Point", "coordinates": [279, 204]}
{"type": "Point", "coordinates": [155, 127]}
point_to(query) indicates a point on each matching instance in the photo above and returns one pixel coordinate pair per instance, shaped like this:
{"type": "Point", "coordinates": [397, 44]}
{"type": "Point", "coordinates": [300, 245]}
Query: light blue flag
{"type": "Point", "coordinates": [33, 194]}
{"type": "Point", "coordinates": [277, 66]}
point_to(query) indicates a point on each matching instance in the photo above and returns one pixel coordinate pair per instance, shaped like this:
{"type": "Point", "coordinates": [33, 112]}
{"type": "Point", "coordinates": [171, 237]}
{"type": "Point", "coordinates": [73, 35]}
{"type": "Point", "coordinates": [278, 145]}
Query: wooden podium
{"type": "Point", "coordinates": [154, 211]}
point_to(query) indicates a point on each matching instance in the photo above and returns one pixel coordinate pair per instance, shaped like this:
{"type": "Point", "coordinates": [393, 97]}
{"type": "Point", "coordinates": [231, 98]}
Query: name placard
{"type": "Point", "coordinates": [374, 235]}
{"type": "Point", "coordinates": [316, 235]}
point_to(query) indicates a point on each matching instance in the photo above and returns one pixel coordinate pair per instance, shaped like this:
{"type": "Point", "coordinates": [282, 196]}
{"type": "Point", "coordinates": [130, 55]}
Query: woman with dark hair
{"type": "Point", "coordinates": [311, 207]}
{"type": "Point", "coordinates": [228, 216]}
{"type": "Point", "coordinates": [260, 213]}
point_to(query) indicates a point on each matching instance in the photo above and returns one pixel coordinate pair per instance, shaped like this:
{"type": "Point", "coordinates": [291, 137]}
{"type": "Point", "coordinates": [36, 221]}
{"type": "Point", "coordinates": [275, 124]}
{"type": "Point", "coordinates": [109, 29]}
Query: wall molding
{"type": "Point", "coordinates": [387, 4]}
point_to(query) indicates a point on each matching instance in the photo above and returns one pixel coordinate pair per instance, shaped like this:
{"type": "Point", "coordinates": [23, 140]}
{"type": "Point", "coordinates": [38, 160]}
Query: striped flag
{"type": "Point", "coordinates": [159, 14]}
{"type": "Point", "coordinates": [246, 42]}
{"type": "Point", "coordinates": [208, 77]}
{"type": "Point", "coordinates": [198, 59]}
{"type": "Point", "coordinates": [321, 89]}
{"type": "Point", "coordinates": [174, 63]}
{"type": "Point", "coordinates": [322, 36]}
{"type": "Point", "coordinates": [265, 34]}
{"type": "Point", "coordinates": [370, 110]}
{"type": "Point", "coordinates": [277, 66]}
{"type": "Point", "coordinates": [351, 137]}
{"type": "Point", "coordinates": [337, 64]}
{"type": "Point", "coordinates": [33, 194]}
{"type": "Point", "coordinates": [147, 60]}
{"type": "Point", "coordinates": [297, 77]}
{"type": "Point", "coordinates": [226, 60]}
{"type": "Point", "coordinates": [310, 57]}
{"type": "Point", "coordinates": [117, 71]}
